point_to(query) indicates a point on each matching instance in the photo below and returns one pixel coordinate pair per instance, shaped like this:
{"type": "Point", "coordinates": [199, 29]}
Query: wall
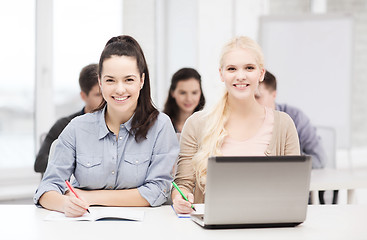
{"type": "Point", "coordinates": [358, 9]}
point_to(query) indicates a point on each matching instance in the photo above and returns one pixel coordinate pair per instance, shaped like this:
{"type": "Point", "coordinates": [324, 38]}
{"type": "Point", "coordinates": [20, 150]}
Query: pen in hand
{"type": "Point", "coordinates": [183, 195]}
{"type": "Point", "coordinates": [73, 190]}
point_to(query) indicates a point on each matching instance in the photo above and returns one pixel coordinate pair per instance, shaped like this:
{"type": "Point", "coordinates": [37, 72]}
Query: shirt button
{"type": "Point", "coordinates": [122, 126]}
{"type": "Point", "coordinates": [120, 138]}
{"type": "Point", "coordinates": [88, 164]}
{"type": "Point", "coordinates": [136, 161]}
{"type": "Point", "coordinates": [113, 172]}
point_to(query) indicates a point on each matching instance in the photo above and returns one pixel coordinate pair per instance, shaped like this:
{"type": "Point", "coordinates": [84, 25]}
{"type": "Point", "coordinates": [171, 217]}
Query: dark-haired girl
{"type": "Point", "coordinates": [185, 97]}
{"type": "Point", "coordinates": [120, 155]}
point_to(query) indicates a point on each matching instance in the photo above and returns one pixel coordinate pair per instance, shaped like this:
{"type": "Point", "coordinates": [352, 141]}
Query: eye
{"type": "Point", "coordinates": [231, 69]}
{"type": "Point", "coordinates": [130, 80]}
{"type": "Point", "coordinates": [109, 80]}
{"type": "Point", "coordinates": [250, 67]}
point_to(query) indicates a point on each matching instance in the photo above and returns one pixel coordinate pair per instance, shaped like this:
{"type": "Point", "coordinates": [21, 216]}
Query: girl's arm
{"type": "Point", "coordinates": [181, 205]}
{"type": "Point", "coordinates": [292, 146]}
{"type": "Point", "coordinates": [117, 198]}
{"type": "Point", "coordinates": [185, 176]}
{"type": "Point", "coordinates": [68, 204]}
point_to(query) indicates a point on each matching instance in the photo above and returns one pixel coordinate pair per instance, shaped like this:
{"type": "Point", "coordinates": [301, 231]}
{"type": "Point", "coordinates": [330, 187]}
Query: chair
{"type": "Point", "coordinates": [52, 149]}
{"type": "Point", "coordinates": [328, 141]}
{"type": "Point", "coordinates": [51, 153]}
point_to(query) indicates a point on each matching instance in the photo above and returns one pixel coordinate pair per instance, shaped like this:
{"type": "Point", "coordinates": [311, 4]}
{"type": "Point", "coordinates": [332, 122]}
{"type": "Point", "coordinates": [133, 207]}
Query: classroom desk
{"type": "Point", "coordinates": [325, 222]}
{"type": "Point", "coordinates": [337, 179]}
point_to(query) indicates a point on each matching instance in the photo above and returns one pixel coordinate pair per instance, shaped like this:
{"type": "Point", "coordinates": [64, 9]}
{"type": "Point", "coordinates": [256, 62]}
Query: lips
{"type": "Point", "coordinates": [121, 99]}
{"type": "Point", "coordinates": [241, 86]}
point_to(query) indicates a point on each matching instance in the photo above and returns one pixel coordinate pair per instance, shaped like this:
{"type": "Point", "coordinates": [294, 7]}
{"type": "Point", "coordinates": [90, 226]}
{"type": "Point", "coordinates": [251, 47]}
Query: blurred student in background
{"type": "Point", "coordinates": [185, 96]}
{"type": "Point", "coordinates": [123, 153]}
{"type": "Point", "coordinates": [237, 126]}
{"type": "Point", "coordinates": [90, 94]}
{"type": "Point", "coordinates": [310, 143]}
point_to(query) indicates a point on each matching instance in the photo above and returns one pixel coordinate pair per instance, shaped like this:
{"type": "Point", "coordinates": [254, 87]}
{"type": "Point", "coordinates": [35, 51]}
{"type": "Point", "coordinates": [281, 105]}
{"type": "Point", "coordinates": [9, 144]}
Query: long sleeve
{"type": "Point", "coordinates": [285, 138]}
{"type": "Point", "coordinates": [185, 176]}
{"type": "Point", "coordinates": [157, 183]}
{"type": "Point", "coordinates": [41, 161]}
{"type": "Point", "coordinates": [310, 141]}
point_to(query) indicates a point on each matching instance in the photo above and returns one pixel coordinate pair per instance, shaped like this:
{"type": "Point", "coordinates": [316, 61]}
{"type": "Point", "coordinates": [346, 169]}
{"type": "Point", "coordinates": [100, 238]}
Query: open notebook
{"type": "Point", "coordinates": [100, 213]}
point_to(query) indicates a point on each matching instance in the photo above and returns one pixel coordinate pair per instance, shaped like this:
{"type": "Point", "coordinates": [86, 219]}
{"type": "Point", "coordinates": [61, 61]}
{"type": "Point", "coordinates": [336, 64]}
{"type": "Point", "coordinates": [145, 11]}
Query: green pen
{"type": "Point", "coordinates": [183, 195]}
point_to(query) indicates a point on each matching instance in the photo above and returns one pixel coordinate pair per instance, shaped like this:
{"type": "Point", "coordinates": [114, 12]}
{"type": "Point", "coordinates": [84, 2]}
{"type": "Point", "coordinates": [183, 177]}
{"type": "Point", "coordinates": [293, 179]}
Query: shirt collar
{"type": "Point", "coordinates": [103, 129]}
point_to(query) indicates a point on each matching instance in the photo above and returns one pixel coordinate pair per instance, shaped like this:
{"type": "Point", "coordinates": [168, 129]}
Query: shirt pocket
{"type": "Point", "coordinates": [136, 168]}
{"type": "Point", "coordinates": [88, 171]}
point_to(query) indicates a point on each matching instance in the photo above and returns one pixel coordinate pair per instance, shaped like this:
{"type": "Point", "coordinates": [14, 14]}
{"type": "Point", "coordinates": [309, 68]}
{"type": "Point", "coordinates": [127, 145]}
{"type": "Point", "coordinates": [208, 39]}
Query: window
{"type": "Point", "coordinates": [81, 29]}
{"type": "Point", "coordinates": [17, 59]}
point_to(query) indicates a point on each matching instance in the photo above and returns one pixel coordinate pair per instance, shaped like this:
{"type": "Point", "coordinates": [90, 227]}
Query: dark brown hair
{"type": "Point", "coordinates": [145, 112]}
{"type": "Point", "coordinates": [88, 78]}
{"type": "Point", "coordinates": [170, 107]}
{"type": "Point", "coordinates": [270, 81]}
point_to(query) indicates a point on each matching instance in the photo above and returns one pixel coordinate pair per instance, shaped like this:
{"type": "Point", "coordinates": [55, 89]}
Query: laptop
{"type": "Point", "coordinates": [255, 192]}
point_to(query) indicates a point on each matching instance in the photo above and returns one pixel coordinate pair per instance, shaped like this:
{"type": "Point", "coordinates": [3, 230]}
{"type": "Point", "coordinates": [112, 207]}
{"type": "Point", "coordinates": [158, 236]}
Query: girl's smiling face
{"type": "Point", "coordinates": [187, 95]}
{"type": "Point", "coordinates": [241, 73]}
{"type": "Point", "coordinates": [120, 84]}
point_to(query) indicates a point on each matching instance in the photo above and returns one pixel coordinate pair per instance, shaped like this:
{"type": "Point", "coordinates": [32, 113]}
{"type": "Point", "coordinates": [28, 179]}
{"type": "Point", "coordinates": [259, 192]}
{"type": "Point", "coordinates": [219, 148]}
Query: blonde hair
{"type": "Point", "coordinates": [245, 43]}
{"type": "Point", "coordinates": [214, 132]}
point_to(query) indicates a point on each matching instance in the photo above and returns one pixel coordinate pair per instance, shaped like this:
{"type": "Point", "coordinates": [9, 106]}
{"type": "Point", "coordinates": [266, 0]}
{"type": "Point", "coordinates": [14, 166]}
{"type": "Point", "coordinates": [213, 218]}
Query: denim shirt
{"type": "Point", "coordinates": [88, 150]}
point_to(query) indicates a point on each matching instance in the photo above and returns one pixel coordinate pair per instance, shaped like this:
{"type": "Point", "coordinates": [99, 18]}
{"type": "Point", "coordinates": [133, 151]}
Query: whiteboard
{"type": "Point", "coordinates": [311, 56]}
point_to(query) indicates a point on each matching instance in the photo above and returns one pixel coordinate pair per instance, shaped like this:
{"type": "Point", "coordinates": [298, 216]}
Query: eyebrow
{"type": "Point", "coordinates": [127, 76]}
{"type": "Point", "coordinates": [107, 76]}
{"type": "Point", "coordinates": [131, 75]}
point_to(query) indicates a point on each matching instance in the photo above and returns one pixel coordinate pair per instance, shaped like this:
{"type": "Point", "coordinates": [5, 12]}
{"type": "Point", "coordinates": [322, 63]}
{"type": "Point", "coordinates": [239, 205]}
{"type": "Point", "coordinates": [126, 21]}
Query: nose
{"type": "Point", "coordinates": [120, 88]}
{"type": "Point", "coordinates": [241, 75]}
{"type": "Point", "coordinates": [188, 97]}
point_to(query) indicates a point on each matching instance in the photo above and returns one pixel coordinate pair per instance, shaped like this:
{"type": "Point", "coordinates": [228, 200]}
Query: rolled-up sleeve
{"type": "Point", "coordinates": [157, 184]}
{"type": "Point", "coordinates": [60, 167]}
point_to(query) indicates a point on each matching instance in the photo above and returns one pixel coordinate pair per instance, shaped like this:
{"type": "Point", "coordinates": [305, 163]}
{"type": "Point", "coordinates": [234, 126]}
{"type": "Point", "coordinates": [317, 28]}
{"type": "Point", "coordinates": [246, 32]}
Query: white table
{"type": "Point", "coordinates": [25, 222]}
{"type": "Point", "coordinates": [338, 179]}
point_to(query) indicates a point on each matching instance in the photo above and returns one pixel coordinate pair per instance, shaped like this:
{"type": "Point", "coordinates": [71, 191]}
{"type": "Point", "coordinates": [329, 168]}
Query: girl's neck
{"type": "Point", "coordinates": [115, 119]}
{"type": "Point", "coordinates": [181, 118]}
{"type": "Point", "coordinates": [244, 108]}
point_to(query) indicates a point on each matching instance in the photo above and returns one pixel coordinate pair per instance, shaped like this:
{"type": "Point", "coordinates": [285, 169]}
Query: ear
{"type": "Point", "coordinates": [221, 74]}
{"type": "Point", "coordinates": [142, 79]}
{"type": "Point", "coordinates": [262, 75]}
{"type": "Point", "coordinates": [274, 94]}
{"type": "Point", "coordinates": [83, 95]}
{"type": "Point", "coordinates": [172, 94]}
{"type": "Point", "coordinates": [99, 82]}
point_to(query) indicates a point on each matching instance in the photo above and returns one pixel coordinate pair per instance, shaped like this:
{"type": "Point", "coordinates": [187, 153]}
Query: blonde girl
{"type": "Point", "coordinates": [237, 126]}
